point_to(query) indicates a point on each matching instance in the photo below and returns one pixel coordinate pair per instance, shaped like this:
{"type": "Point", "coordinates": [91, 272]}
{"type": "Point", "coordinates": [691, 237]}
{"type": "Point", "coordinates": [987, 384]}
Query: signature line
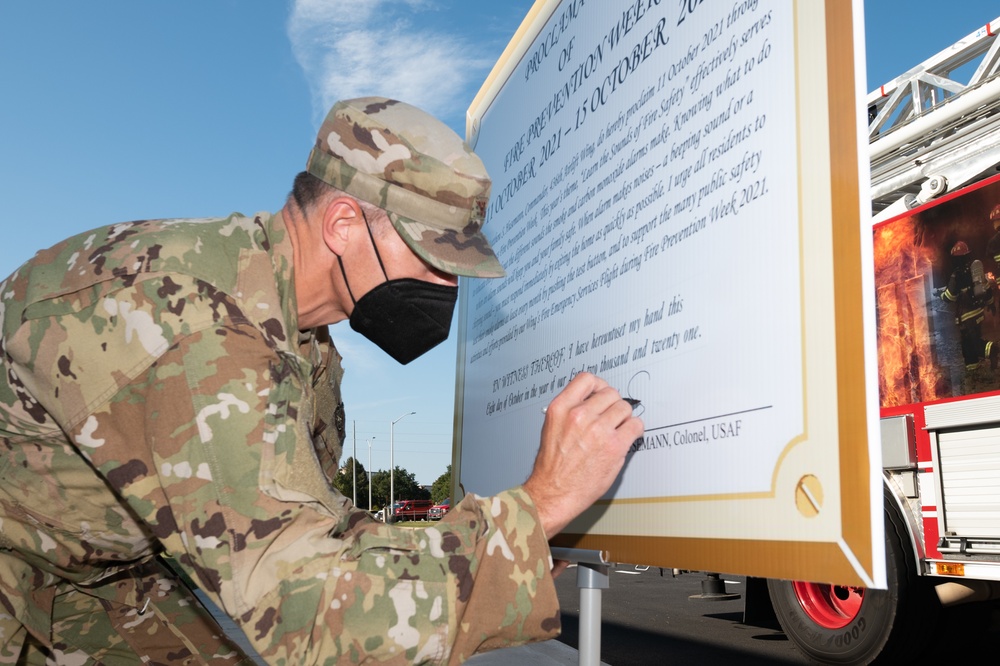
{"type": "Point", "coordinates": [709, 418]}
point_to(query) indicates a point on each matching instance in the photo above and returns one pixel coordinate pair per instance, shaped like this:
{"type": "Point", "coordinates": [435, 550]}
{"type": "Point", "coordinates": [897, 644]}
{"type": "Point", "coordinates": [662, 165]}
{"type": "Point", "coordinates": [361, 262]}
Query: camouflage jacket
{"type": "Point", "coordinates": [157, 396]}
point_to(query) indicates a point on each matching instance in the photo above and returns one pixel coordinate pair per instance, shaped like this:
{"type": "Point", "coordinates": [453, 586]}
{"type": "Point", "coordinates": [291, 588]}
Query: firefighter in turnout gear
{"type": "Point", "coordinates": [972, 291]}
{"type": "Point", "coordinates": [993, 247]}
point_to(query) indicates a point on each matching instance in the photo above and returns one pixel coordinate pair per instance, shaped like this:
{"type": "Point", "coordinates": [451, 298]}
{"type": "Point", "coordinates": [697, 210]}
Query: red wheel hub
{"type": "Point", "coordinates": [829, 606]}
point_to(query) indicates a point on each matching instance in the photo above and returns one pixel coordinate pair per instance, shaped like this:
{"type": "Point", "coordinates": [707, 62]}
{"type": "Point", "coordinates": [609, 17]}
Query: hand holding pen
{"type": "Point", "coordinates": [587, 433]}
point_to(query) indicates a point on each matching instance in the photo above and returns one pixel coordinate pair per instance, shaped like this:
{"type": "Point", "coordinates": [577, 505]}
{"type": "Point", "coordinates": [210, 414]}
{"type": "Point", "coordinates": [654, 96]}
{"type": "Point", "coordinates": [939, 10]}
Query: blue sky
{"type": "Point", "coordinates": [115, 110]}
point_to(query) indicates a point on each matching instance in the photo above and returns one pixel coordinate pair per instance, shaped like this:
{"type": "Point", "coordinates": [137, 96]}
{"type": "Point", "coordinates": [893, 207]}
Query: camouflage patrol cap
{"type": "Point", "coordinates": [405, 161]}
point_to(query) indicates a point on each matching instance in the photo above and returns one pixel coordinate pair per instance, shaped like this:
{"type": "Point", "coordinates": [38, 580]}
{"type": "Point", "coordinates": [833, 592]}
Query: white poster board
{"type": "Point", "coordinates": [676, 203]}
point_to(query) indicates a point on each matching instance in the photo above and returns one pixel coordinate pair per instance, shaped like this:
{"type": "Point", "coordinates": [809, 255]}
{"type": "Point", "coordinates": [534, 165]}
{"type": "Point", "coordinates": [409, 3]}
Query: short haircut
{"type": "Point", "coordinates": [308, 191]}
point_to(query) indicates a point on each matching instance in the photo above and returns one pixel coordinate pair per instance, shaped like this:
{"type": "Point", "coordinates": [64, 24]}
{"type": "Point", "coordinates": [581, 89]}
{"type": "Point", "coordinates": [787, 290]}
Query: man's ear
{"type": "Point", "coordinates": [340, 217]}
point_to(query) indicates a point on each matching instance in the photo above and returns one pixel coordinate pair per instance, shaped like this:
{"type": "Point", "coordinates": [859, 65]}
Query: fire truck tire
{"type": "Point", "coordinates": [841, 625]}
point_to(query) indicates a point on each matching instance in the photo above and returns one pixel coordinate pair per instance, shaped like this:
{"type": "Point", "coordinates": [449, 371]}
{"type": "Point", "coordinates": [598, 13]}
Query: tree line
{"type": "Point", "coordinates": [406, 486]}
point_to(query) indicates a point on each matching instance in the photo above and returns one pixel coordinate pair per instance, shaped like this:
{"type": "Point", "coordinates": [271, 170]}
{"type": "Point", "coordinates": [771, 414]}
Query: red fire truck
{"type": "Point", "coordinates": [935, 156]}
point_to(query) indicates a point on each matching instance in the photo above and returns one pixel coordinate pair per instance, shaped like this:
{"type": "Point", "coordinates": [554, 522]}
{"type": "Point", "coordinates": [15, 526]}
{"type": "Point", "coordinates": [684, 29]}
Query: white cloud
{"type": "Point", "coordinates": [354, 48]}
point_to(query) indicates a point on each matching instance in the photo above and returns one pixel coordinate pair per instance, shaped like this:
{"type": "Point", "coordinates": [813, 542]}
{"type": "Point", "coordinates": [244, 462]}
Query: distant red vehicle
{"type": "Point", "coordinates": [411, 510]}
{"type": "Point", "coordinates": [437, 511]}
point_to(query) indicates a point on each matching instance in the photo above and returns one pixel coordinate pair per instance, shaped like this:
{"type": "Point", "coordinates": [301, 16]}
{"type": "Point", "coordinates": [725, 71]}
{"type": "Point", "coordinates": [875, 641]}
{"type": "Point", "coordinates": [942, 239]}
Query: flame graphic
{"type": "Point", "coordinates": [908, 371]}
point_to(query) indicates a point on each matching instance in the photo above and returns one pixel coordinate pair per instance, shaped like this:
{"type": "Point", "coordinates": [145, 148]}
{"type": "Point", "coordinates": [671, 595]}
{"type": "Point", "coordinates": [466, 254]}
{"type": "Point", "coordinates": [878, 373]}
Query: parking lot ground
{"type": "Point", "coordinates": [648, 618]}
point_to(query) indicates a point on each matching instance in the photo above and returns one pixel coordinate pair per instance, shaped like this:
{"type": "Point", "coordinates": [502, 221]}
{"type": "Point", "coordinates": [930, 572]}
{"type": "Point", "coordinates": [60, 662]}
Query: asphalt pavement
{"type": "Point", "coordinates": [649, 618]}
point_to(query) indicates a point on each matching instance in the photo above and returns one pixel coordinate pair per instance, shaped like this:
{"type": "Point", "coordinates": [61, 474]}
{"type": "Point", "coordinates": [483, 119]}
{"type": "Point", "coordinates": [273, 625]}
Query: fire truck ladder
{"type": "Point", "coordinates": [928, 133]}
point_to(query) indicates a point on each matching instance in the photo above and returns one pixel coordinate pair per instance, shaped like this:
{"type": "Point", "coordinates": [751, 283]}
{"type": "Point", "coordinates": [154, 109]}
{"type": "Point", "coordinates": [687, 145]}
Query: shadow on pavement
{"type": "Point", "coordinates": [622, 645]}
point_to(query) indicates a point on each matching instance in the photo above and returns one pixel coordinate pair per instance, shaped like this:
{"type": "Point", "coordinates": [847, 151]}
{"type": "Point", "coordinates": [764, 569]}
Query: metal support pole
{"type": "Point", "coordinates": [591, 578]}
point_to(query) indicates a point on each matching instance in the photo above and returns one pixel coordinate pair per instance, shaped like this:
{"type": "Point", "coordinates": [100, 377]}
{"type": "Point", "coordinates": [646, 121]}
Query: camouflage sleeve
{"type": "Point", "coordinates": [509, 597]}
{"type": "Point", "coordinates": [211, 449]}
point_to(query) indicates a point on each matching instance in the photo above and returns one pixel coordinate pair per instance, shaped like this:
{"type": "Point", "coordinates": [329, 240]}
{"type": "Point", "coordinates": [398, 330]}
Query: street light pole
{"type": "Point", "coordinates": [392, 465]}
{"type": "Point", "coordinates": [354, 464]}
{"type": "Point", "coordinates": [370, 474]}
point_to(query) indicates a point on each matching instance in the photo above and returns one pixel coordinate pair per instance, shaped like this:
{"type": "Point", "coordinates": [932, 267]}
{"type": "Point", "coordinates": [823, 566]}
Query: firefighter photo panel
{"type": "Point", "coordinates": [936, 271]}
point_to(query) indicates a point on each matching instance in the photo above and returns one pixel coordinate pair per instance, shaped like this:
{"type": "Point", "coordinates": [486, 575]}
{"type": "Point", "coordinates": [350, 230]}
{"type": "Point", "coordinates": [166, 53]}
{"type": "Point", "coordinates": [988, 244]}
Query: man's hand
{"type": "Point", "coordinates": [587, 432]}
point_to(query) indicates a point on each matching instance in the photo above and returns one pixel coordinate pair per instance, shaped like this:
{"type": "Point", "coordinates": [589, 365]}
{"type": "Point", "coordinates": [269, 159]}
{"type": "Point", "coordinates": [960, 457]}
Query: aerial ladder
{"type": "Point", "coordinates": [928, 132]}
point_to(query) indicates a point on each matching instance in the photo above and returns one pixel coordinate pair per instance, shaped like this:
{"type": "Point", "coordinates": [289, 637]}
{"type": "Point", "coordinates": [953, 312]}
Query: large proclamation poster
{"type": "Point", "coordinates": [678, 202]}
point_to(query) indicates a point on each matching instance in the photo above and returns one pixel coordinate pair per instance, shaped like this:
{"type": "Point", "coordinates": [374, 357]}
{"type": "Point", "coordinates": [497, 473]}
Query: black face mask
{"type": "Point", "coordinates": [404, 317]}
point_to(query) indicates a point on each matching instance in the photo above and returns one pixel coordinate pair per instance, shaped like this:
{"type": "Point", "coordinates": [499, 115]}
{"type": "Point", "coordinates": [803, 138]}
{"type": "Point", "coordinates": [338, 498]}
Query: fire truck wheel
{"type": "Point", "coordinates": [836, 624]}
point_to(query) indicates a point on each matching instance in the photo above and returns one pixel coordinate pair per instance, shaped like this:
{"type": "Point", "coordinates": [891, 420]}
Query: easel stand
{"type": "Point", "coordinates": [591, 578]}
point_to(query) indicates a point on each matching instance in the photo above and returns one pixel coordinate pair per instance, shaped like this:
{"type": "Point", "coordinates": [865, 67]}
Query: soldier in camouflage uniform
{"type": "Point", "coordinates": [167, 388]}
